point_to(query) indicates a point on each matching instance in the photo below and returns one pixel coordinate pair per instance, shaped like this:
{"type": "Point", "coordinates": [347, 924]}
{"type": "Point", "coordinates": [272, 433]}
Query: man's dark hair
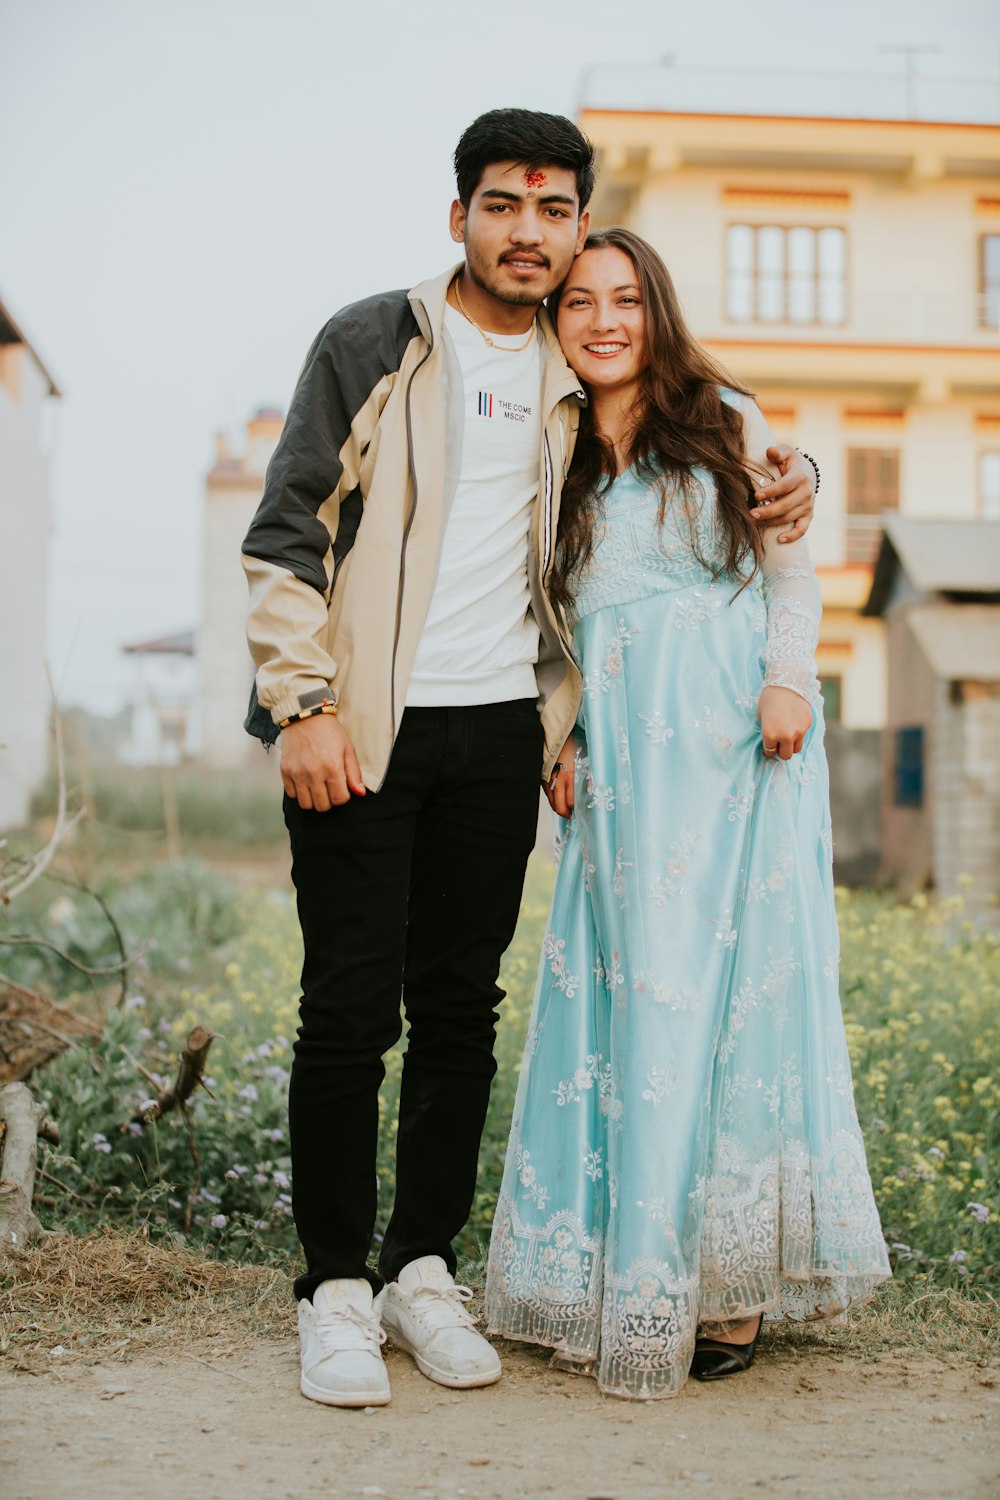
{"type": "Point", "coordinates": [531, 139]}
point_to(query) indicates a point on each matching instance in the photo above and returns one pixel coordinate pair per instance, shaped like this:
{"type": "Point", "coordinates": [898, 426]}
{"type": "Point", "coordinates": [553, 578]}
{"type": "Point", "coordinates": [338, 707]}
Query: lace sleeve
{"type": "Point", "coordinates": [794, 607]}
{"type": "Point", "coordinates": [791, 590]}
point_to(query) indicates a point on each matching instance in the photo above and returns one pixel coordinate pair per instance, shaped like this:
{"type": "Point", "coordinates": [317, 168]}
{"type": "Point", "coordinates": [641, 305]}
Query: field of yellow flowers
{"type": "Point", "coordinates": [920, 988]}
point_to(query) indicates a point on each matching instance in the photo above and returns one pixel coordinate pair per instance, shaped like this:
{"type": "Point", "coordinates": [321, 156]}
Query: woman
{"type": "Point", "coordinates": [685, 1155]}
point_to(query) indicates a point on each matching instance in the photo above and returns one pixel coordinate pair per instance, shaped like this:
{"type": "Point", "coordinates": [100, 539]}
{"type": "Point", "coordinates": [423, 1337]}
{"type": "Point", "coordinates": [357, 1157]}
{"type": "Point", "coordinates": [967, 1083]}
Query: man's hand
{"type": "Point", "coordinates": [559, 787]}
{"type": "Point", "coordinates": [790, 498]}
{"type": "Point", "coordinates": [318, 765]}
{"type": "Point", "coordinates": [785, 718]}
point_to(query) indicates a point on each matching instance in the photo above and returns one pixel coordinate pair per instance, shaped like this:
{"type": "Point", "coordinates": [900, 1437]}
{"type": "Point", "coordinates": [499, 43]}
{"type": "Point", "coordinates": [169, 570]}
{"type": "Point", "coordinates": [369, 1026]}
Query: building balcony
{"type": "Point", "coordinates": [882, 318]}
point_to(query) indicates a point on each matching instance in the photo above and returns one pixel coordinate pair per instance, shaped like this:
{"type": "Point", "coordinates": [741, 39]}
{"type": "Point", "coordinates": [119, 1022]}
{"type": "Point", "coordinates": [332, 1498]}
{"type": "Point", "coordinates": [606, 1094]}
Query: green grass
{"type": "Point", "coordinates": [129, 809]}
{"type": "Point", "coordinates": [920, 988]}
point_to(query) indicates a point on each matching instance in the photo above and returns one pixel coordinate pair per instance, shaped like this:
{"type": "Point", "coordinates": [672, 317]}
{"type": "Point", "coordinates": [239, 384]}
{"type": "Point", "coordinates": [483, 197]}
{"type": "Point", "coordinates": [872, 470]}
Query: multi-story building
{"type": "Point", "coordinates": [233, 490]}
{"type": "Point", "coordinates": [26, 390]}
{"type": "Point", "coordinates": [848, 272]}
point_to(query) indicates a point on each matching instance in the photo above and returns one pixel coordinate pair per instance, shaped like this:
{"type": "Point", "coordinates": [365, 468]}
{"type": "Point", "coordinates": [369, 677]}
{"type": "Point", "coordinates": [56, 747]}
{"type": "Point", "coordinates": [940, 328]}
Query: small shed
{"type": "Point", "coordinates": [161, 701]}
{"type": "Point", "coordinates": [937, 587]}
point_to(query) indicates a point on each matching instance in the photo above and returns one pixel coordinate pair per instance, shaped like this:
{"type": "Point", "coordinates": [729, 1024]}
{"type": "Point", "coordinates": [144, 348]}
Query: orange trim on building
{"type": "Point", "coordinates": [853, 348]}
{"type": "Point", "coordinates": [786, 197]}
{"type": "Point", "coordinates": [835, 648]}
{"type": "Point", "coordinates": [798, 119]}
{"type": "Point", "coordinates": [859, 417]}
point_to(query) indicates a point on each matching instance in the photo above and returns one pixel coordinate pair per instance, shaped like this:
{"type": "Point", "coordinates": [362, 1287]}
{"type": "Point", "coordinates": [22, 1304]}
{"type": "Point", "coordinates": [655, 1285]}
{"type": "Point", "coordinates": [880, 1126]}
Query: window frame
{"type": "Point", "coordinates": [867, 521]}
{"type": "Point", "coordinates": [985, 318]}
{"type": "Point", "coordinates": [982, 455]}
{"type": "Point", "coordinates": [785, 321]}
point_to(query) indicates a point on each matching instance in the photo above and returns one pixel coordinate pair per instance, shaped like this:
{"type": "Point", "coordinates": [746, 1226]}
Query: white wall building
{"type": "Point", "coordinates": [233, 489]}
{"type": "Point", "coordinates": [25, 525]}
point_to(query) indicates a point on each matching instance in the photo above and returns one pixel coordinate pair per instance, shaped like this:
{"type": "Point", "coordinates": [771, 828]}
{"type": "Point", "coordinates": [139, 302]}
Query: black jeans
{"type": "Point", "coordinates": [414, 889]}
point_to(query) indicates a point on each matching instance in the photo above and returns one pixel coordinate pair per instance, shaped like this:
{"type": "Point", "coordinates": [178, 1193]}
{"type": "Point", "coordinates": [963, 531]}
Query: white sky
{"type": "Point", "coordinates": [189, 189]}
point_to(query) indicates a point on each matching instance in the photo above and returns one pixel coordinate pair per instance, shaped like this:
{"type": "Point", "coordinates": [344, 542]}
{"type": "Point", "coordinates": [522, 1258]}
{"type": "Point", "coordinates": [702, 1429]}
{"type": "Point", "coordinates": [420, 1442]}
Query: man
{"type": "Point", "coordinates": [420, 682]}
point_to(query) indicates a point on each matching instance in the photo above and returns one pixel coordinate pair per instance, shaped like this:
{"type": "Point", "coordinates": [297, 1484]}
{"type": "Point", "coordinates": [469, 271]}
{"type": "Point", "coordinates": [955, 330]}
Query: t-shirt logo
{"type": "Point", "coordinates": [514, 411]}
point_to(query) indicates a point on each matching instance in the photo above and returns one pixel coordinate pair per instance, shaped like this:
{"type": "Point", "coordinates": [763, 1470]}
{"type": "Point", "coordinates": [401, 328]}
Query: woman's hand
{"type": "Point", "coordinates": [559, 787]}
{"type": "Point", "coordinates": [784, 722]}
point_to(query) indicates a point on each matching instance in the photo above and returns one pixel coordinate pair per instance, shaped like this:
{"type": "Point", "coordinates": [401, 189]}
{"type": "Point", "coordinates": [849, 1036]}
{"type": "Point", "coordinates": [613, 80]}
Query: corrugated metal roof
{"type": "Point", "coordinates": [948, 556]}
{"type": "Point", "coordinates": [961, 641]}
{"type": "Point", "coordinates": [937, 556]}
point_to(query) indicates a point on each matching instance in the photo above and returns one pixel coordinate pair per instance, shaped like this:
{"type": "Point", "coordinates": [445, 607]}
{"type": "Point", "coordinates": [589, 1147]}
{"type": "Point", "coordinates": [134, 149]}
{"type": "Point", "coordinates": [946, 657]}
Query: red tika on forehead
{"type": "Point", "coordinates": [535, 179]}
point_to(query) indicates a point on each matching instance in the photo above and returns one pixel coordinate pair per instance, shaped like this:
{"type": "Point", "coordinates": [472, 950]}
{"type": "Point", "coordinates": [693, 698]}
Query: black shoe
{"type": "Point", "coordinates": [713, 1360]}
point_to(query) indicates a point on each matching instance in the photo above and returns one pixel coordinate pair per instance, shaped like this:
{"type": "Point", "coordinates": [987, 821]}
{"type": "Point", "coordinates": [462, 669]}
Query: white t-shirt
{"type": "Point", "coordinates": [480, 639]}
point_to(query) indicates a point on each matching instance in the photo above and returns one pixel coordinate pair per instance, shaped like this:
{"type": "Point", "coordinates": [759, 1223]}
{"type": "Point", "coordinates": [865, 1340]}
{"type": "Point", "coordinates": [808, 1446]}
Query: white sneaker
{"type": "Point", "coordinates": [341, 1341]}
{"type": "Point", "coordinates": [424, 1313]}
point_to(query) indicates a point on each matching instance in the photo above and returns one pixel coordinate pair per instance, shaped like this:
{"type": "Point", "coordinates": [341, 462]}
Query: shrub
{"type": "Point", "coordinates": [920, 987]}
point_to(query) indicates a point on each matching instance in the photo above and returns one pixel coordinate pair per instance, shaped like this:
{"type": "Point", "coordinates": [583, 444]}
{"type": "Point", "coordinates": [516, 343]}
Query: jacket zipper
{"type": "Point", "coordinates": [547, 527]}
{"type": "Point", "coordinates": [407, 528]}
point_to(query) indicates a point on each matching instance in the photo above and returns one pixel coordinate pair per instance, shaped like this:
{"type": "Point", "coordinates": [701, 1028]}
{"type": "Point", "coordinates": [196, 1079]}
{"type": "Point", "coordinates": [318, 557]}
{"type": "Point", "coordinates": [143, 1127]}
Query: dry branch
{"type": "Point", "coordinates": [109, 917]}
{"type": "Point", "coordinates": [22, 1121]}
{"type": "Point", "coordinates": [12, 885]}
{"type": "Point", "coordinates": [190, 1068]}
{"type": "Point", "coordinates": [34, 1030]}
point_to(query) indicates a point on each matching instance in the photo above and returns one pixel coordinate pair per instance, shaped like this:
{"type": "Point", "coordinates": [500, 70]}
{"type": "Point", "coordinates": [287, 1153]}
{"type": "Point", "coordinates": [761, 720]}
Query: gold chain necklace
{"type": "Point", "coordinates": [506, 348]}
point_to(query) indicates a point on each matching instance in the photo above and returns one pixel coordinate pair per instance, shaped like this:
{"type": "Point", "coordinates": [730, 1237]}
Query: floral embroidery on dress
{"type": "Point", "coordinates": [660, 1084]}
{"type": "Point", "coordinates": [555, 951]}
{"type": "Point", "coordinates": [663, 993]}
{"type": "Point", "coordinates": [657, 728]}
{"type": "Point", "coordinates": [711, 723]}
{"type": "Point", "coordinates": [692, 612]}
{"type": "Point", "coordinates": [528, 1178]}
{"type": "Point", "coordinates": [670, 884]}
{"type": "Point", "coordinates": [601, 679]}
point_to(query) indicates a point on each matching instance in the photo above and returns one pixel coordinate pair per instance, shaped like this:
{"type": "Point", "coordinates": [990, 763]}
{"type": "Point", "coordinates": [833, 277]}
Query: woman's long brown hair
{"type": "Point", "coordinates": [680, 420]}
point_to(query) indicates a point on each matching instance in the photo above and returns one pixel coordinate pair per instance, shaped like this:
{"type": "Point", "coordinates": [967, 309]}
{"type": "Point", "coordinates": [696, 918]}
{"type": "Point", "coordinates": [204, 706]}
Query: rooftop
{"type": "Point", "coordinates": [938, 557]}
{"type": "Point", "coordinates": [900, 95]}
{"type": "Point", "coordinates": [181, 644]}
{"type": "Point", "coordinates": [11, 333]}
{"type": "Point", "coordinates": [961, 641]}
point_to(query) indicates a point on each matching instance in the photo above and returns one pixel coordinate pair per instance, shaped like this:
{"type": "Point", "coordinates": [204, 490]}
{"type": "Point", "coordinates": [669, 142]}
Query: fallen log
{"type": "Point", "coordinates": [22, 1121]}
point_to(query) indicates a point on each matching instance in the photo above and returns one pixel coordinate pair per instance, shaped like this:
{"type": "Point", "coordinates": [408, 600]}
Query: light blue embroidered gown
{"type": "Point", "coordinates": [685, 1148]}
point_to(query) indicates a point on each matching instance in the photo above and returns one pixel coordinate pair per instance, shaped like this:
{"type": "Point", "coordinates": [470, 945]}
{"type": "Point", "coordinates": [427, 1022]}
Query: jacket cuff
{"type": "Point", "coordinates": [295, 703]}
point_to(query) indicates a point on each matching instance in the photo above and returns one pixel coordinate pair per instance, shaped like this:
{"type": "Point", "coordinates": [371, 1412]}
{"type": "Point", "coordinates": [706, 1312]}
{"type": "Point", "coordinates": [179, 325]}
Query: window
{"type": "Point", "coordinates": [908, 779]}
{"type": "Point", "coordinates": [989, 484]}
{"type": "Point", "coordinates": [832, 690]}
{"type": "Point", "coordinates": [989, 281]}
{"type": "Point", "coordinates": [872, 487]}
{"type": "Point", "coordinates": [779, 274]}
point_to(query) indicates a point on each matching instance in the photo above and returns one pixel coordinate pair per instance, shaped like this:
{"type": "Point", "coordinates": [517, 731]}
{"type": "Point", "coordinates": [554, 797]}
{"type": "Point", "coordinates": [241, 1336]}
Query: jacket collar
{"type": "Point", "coordinates": [428, 300]}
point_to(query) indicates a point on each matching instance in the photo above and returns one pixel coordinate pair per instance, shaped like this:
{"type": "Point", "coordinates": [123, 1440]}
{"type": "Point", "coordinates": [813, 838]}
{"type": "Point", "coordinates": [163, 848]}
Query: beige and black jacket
{"type": "Point", "coordinates": [343, 552]}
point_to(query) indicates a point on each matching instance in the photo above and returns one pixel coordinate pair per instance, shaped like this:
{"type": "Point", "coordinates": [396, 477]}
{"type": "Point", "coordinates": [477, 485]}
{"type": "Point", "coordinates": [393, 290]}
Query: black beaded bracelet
{"type": "Point", "coordinates": [814, 464]}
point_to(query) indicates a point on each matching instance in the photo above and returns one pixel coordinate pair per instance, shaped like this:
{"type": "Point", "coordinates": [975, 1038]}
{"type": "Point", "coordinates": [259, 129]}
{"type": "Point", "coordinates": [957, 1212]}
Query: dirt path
{"type": "Point", "coordinates": [228, 1424]}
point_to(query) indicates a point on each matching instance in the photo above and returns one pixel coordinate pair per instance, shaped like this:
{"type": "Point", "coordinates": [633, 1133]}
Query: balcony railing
{"type": "Point", "coordinates": [863, 538]}
{"type": "Point", "coordinates": [883, 316]}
